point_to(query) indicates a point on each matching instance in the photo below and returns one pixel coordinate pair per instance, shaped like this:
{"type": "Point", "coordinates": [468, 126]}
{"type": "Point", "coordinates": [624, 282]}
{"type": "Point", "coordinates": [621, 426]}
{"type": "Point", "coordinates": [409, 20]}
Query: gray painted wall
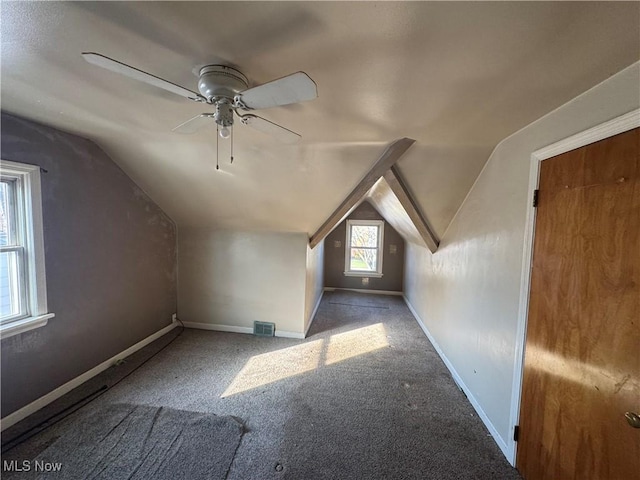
{"type": "Point", "coordinates": [392, 265]}
{"type": "Point", "coordinates": [110, 263]}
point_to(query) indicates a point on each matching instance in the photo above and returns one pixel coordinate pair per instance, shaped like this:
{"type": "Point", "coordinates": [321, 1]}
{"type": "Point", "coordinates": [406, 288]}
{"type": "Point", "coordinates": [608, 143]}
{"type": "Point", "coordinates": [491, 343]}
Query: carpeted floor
{"type": "Point", "coordinates": [139, 442]}
{"type": "Point", "coordinates": [365, 396]}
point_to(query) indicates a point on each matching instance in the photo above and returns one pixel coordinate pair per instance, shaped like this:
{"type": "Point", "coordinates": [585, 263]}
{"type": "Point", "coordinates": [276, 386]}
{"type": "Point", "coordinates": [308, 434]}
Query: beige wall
{"type": "Point", "coordinates": [315, 284]}
{"type": "Point", "coordinates": [232, 278]}
{"type": "Point", "coordinates": [468, 292]}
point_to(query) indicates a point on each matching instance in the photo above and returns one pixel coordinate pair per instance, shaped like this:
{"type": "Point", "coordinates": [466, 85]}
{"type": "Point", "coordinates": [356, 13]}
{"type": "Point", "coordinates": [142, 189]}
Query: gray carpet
{"type": "Point", "coordinates": [365, 396]}
{"type": "Point", "coordinates": [85, 393]}
{"type": "Point", "coordinates": [139, 442]}
{"type": "Point", "coordinates": [355, 299]}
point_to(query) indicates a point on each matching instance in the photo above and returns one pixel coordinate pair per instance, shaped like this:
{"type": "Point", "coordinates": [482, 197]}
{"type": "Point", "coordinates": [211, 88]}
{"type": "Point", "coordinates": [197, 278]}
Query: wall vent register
{"type": "Point", "coordinates": [264, 329]}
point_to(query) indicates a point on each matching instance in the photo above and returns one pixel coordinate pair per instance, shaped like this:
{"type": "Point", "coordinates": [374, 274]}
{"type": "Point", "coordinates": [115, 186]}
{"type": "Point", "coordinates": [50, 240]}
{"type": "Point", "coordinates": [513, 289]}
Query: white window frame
{"type": "Point", "coordinates": [347, 251]}
{"type": "Point", "coordinates": [28, 203]}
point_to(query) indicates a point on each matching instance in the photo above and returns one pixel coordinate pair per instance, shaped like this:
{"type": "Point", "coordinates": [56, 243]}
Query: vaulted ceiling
{"type": "Point", "coordinates": [458, 77]}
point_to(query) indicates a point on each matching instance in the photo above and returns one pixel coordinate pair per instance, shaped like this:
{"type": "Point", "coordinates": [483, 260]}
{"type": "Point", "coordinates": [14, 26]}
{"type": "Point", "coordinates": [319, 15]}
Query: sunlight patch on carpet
{"type": "Point", "coordinates": [343, 346]}
{"type": "Point", "coordinates": [273, 366]}
{"type": "Point", "coordinates": [285, 363]}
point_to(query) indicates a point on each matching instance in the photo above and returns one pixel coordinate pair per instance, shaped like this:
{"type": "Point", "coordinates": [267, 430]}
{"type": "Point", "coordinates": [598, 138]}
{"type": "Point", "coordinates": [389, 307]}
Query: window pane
{"type": "Point", "coordinates": [364, 236]}
{"type": "Point", "coordinates": [10, 304]}
{"type": "Point", "coordinates": [363, 259]}
{"type": "Point", "coordinates": [6, 214]}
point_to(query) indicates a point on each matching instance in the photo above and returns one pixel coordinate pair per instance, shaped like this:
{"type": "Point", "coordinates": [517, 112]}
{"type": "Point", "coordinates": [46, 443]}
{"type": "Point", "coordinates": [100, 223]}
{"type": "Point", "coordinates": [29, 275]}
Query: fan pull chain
{"type": "Point", "coordinates": [232, 129]}
{"type": "Point", "coordinates": [217, 144]}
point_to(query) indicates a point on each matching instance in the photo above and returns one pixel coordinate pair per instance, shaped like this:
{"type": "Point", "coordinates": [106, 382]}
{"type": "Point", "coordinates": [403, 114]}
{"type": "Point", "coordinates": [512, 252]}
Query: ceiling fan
{"type": "Point", "coordinates": [227, 89]}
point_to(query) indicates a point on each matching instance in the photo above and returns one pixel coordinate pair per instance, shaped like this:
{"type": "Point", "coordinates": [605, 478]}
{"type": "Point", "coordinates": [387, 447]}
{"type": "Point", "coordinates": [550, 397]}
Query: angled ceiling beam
{"type": "Point", "coordinates": [400, 190]}
{"type": "Point", "coordinates": [390, 156]}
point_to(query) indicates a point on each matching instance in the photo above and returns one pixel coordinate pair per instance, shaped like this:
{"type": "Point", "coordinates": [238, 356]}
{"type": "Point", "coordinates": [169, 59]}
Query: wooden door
{"type": "Point", "coordinates": [582, 352]}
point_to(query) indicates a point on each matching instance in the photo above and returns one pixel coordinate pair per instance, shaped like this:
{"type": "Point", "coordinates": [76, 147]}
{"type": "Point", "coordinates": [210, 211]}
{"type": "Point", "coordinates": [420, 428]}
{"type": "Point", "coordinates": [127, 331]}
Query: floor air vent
{"type": "Point", "coordinates": [264, 329]}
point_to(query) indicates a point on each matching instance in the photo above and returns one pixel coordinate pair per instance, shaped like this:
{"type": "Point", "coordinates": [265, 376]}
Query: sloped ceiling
{"type": "Point", "coordinates": [457, 77]}
{"type": "Point", "coordinates": [387, 204]}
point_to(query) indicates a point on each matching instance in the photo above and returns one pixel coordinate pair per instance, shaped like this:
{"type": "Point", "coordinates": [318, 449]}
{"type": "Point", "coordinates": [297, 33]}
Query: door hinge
{"type": "Point", "coordinates": [536, 194]}
{"type": "Point", "coordinates": [516, 433]}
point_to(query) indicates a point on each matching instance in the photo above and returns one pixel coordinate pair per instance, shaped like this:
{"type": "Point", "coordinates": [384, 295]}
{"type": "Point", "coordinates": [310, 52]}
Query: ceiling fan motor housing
{"type": "Point", "coordinates": [221, 81]}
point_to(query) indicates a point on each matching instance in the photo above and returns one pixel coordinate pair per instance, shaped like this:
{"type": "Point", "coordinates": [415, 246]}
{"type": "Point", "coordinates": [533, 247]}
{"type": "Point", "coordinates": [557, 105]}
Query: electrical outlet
{"type": "Point", "coordinates": [174, 317]}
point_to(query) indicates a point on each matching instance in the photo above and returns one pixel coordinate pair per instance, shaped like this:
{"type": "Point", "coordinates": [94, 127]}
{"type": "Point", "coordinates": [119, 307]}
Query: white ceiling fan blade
{"type": "Point", "coordinates": [196, 123]}
{"type": "Point", "coordinates": [265, 126]}
{"type": "Point", "coordinates": [293, 88]}
{"type": "Point", "coordinates": [131, 72]}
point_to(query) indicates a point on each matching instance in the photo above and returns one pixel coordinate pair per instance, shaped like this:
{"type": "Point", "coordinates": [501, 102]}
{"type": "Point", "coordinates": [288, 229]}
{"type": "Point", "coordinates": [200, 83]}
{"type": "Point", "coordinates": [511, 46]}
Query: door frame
{"type": "Point", "coordinates": [607, 129]}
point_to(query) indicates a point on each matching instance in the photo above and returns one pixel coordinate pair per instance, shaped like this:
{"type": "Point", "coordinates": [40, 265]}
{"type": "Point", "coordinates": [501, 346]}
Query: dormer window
{"type": "Point", "coordinates": [363, 255]}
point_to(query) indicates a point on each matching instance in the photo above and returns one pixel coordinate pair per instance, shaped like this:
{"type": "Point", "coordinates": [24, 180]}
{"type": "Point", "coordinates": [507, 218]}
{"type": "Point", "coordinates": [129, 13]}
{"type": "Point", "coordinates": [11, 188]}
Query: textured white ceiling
{"type": "Point", "coordinates": [457, 77]}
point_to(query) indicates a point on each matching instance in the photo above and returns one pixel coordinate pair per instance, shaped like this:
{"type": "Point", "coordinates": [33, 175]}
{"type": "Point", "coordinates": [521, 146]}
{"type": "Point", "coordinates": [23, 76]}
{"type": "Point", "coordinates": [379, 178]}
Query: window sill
{"type": "Point", "coordinates": [24, 325]}
{"type": "Point", "coordinates": [363, 274]}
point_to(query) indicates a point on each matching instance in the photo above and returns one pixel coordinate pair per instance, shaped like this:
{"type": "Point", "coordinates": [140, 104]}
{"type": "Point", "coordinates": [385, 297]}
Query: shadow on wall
{"type": "Point", "coordinates": [392, 261]}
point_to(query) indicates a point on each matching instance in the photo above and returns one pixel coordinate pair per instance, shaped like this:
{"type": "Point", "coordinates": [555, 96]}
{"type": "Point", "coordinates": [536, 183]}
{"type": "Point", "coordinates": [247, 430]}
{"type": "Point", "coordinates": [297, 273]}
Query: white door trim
{"type": "Point", "coordinates": [608, 129]}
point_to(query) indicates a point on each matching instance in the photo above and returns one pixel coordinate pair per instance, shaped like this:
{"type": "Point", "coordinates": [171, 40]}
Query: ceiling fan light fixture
{"type": "Point", "coordinates": [225, 132]}
{"type": "Point", "coordinates": [223, 116]}
{"type": "Point", "coordinates": [228, 90]}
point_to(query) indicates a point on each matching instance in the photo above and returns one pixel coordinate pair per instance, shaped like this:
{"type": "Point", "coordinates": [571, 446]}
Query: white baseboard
{"type": "Point", "coordinates": [506, 451]}
{"type": "Point", "coordinates": [45, 400]}
{"type": "Point", "coordinates": [313, 314]}
{"type": "Point", "coordinates": [234, 329]}
{"type": "Point", "coordinates": [285, 334]}
{"type": "Point", "coordinates": [362, 290]}
{"type": "Point", "coordinates": [218, 327]}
